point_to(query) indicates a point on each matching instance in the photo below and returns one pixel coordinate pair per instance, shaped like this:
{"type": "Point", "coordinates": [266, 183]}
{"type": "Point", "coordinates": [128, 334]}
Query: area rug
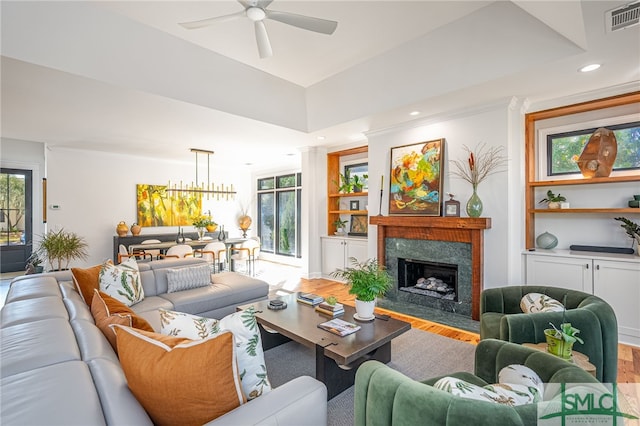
{"type": "Point", "coordinates": [417, 354]}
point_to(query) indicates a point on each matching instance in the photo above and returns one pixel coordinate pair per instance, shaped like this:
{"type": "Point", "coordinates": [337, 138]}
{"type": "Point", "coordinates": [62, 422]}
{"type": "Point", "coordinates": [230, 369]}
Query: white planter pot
{"type": "Point", "coordinates": [365, 309]}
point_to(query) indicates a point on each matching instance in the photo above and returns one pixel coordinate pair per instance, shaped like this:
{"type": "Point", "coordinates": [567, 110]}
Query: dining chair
{"type": "Point", "coordinates": [178, 251]}
{"type": "Point", "coordinates": [123, 253]}
{"type": "Point", "coordinates": [215, 253]}
{"type": "Point", "coordinates": [248, 252]}
{"type": "Point", "coordinates": [153, 252]}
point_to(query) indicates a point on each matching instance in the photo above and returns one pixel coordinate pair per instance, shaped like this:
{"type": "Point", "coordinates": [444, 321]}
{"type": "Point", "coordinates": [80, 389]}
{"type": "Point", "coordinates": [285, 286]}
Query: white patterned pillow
{"type": "Point", "coordinates": [243, 326]}
{"type": "Point", "coordinates": [188, 278]}
{"type": "Point", "coordinates": [521, 375]}
{"type": "Point", "coordinates": [520, 392]}
{"type": "Point", "coordinates": [537, 302]}
{"type": "Point", "coordinates": [122, 282]}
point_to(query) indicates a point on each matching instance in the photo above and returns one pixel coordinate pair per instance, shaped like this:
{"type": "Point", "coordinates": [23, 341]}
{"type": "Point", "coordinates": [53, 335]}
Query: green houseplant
{"type": "Point", "coordinates": [632, 229]}
{"type": "Point", "coordinates": [553, 201]}
{"type": "Point", "coordinates": [340, 224]}
{"type": "Point", "coordinates": [61, 247]}
{"type": "Point", "coordinates": [367, 281]}
{"type": "Point", "coordinates": [358, 182]}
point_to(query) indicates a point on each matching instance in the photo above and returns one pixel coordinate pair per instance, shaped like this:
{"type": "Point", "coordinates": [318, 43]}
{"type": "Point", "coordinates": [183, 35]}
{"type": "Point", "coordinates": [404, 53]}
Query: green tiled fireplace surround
{"type": "Point", "coordinates": [458, 240]}
{"type": "Point", "coordinates": [453, 253]}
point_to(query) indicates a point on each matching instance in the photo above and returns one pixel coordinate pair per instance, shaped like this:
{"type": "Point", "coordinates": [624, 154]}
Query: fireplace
{"type": "Point", "coordinates": [428, 279]}
{"type": "Point", "coordinates": [442, 240]}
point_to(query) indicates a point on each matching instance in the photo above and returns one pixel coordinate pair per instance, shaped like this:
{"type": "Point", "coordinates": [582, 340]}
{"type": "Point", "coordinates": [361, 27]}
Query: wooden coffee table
{"type": "Point", "coordinates": [337, 358]}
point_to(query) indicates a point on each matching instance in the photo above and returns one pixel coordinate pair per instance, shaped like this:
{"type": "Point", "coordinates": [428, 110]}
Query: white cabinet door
{"type": "Point", "coordinates": [357, 249]}
{"type": "Point", "coordinates": [555, 271]}
{"type": "Point", "coordinates": [333, 250]}
{"type": "Point", "coordinates": [618, 283]}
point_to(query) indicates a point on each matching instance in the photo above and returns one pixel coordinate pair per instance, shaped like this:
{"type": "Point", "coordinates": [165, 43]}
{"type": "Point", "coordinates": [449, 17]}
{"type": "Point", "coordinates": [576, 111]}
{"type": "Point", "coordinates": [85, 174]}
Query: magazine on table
{"type": "Point", "coordinates": [339, 326]}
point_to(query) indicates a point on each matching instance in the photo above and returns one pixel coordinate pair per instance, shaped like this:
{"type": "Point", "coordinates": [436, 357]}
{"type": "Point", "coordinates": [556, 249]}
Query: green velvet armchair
{"type": "Point", "coordinates": [385, 397]}
{"type": "Point", "coordinates": [501, 318]}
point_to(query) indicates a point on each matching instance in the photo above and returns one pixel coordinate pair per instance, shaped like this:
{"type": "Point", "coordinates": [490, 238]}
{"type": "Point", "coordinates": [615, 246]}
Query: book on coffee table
{"type": "Point", "coordinates": [339, 327]}
{"type": "Point", "coordinates": [309, 298]}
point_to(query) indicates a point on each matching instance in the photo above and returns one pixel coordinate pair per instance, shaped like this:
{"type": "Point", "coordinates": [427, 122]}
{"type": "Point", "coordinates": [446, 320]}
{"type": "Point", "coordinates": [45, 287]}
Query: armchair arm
{"type": "Point", "coordinates": [166, 256]}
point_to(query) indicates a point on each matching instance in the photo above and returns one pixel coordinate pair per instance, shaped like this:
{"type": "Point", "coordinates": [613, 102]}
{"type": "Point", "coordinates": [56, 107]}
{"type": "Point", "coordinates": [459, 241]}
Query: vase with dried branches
{"type": "Point", "coordinates": [479, 165]}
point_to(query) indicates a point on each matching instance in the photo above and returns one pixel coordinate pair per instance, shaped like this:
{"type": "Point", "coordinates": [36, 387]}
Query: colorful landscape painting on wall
{"type": "Point", "coordinates": [416, 178]}
{"type": "Point", "coordinates": [159, 207]}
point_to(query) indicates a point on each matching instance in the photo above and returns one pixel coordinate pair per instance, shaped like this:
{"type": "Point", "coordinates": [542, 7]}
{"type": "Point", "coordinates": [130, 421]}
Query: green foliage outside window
{"type": "Point", "coordinates": [564, 149]}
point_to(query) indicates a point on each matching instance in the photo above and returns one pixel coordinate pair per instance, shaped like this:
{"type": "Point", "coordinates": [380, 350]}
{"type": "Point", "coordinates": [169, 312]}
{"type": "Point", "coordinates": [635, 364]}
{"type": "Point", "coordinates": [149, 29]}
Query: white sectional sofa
{"type": "Point", "coordinates": [57, 368]}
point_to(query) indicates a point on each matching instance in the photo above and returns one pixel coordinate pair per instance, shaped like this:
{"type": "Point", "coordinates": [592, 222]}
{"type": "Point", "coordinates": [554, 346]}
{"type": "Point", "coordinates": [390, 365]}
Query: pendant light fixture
{"type": "Point", "coordinates": [219, 192]}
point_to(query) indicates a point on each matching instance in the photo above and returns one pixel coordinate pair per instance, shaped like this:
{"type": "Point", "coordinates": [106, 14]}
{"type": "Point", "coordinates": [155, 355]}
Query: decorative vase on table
{"type": "Point", "coordinates": [201, 232]}
{"type": "Point", "coordinates": [122, 229]}
{"type": "Point", "coordinates": [474, 205]}
{"type": "Point", "coordinates": [135, 229]}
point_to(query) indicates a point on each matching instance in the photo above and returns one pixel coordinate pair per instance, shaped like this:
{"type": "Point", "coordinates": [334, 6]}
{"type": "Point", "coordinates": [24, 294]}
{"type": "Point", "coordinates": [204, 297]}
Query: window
{"type": "Point", "coordinates": [564, 148]}
{"type": "Point", "coordinates": [279, 207]}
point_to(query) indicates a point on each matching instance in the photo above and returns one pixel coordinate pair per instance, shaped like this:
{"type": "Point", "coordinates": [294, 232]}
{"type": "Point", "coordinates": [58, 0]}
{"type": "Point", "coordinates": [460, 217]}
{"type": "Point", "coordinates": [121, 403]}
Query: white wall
{"type": "Point", "coordinates": [96, 190]}
{"type": "Point", "coordinates": [500, 193]}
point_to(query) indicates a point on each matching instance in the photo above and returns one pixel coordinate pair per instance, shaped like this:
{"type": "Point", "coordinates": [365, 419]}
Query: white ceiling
{"type": "Point", "coordinates": [125, 77]}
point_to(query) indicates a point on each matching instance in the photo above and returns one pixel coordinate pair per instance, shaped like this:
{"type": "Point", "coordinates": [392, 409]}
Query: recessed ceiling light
{"type": "Point", "coordinates": [590, 67]}
{"type": "Point", "coordinates": [414, 113]}
{"type": "Point", "coordinates": [321, 138]}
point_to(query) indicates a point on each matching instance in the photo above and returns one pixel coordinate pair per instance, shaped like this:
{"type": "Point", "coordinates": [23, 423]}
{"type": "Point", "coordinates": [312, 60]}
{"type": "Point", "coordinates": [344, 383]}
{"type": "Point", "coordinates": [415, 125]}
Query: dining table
{"type": "Point", "coordinates": [163, 246]}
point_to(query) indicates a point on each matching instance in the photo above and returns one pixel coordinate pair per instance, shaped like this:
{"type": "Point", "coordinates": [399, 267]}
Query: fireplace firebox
{"type": "Point", "coordinates": [429, 279]}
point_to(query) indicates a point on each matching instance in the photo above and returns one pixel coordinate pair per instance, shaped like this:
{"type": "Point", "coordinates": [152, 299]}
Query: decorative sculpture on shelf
{"type": "Point", "coordinates": [599, 154]}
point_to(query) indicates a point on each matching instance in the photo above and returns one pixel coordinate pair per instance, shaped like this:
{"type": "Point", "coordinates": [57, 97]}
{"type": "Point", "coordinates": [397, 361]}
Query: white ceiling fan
{"type": "Point", "coordinates": [256, 10]}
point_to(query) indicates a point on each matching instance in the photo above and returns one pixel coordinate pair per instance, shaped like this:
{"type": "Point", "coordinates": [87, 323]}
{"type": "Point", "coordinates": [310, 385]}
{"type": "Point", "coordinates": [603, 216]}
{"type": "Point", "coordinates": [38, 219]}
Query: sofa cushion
{"type": "Point", "coordinates": [31, 287]}
{"type": "Point", "coordinates": [60, 394]}
{"type": "Point", "coordinates": [122, 281]}
{"type": "Point", "coordinates": [36, 344]}
{"type": "Point", "coordinates": [187, 278]}
{"type": "Point", "coordinates": [107, 311]}
{"type": "Point", "coordinates": [29, 310]}
{"type": "Point", "coordinates": [243, 325]}
{"type": "Point", "coordinates": [180, 381]}
{"type": "Point", "coordinates": [538, 302]}
{"type": "Point", "coordinates": [87, 280]}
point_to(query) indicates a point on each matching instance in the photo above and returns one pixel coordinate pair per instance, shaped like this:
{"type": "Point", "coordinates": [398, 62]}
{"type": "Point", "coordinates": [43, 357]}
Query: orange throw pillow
{"type": "Point", "coordinates": [178, 380]}
{"type": "Point", "coordinates": [87, 280]}
{"type": "Point", "coordinates": [107, 311]}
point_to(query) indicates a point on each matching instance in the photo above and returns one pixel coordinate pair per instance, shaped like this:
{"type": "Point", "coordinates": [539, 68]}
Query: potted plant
{"type": "Point", "coordinates": [201, 223]}
{"type": "Point", "coordinates": [560, 340]}
{"type": "Point", "coordinates": [340, 224]}
{"type": "Point", "coordinates": [61, 247]}
{"type": "Point", "coordinates": [367, 281]}
{"type": "Point", "coordinates": [632, 229]}
{"type": "Point", "coordinates": [346, 185]}
{"type": "Point", "coordinates": [358, 183]}
{"type": "Point", "coordinates": [34, 264]}
{"type": "Point", "coordinates": [553, 201]}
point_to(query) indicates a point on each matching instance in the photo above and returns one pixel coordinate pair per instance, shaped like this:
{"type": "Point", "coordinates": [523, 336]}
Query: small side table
{"type": "Point", "coordinates": [579, 359]}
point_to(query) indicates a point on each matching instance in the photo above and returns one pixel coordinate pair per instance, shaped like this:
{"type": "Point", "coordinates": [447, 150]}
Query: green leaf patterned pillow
{"type": "Point", "coordinates": [243, 326]}
{"type": "Point", "coordinates": [538, 302]}
{"type": "Point", "coordinates": [500, 393]}
{"type": "Point", "coordinates": [122, 282]}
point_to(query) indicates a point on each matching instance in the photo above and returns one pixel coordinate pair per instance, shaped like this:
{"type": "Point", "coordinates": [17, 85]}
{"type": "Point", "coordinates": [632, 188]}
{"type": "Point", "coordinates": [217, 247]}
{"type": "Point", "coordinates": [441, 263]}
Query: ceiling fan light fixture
{"type": "Point", "coordinates": [256, 14]}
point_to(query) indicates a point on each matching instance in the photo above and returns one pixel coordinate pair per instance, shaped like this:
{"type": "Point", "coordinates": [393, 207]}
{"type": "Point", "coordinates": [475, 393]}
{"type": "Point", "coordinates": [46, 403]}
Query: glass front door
{"type": "Point", "coordinates": [15, 219]}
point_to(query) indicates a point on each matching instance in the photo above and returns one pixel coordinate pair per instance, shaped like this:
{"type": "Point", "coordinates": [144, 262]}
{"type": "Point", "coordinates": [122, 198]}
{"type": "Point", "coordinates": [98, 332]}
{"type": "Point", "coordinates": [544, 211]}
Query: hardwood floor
{"type": "Point", "coordinates": [628, 356]}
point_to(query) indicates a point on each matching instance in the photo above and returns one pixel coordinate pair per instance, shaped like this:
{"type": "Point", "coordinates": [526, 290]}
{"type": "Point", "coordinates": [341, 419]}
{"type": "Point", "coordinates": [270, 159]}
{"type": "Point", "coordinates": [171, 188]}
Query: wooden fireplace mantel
{"type": "Point", "coordinates": [452, 229]}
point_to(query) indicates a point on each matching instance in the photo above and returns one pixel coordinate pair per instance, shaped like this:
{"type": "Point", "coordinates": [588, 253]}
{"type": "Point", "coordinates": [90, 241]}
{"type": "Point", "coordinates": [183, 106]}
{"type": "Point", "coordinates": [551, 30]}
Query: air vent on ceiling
{"type": "Point", "coordinates": [623, 17]}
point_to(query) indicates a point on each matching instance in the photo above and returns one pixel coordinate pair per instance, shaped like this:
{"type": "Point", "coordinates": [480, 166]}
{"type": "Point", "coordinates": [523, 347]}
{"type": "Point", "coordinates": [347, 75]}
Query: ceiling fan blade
{"type": "Point", "coordinates": [318, 25]}
{"type": "Point", "coordinates": [262, 38]}
{"type": "Point", "coordinates": [255, 3]}
{"type": "Point", "coordinates": [209, 21]}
